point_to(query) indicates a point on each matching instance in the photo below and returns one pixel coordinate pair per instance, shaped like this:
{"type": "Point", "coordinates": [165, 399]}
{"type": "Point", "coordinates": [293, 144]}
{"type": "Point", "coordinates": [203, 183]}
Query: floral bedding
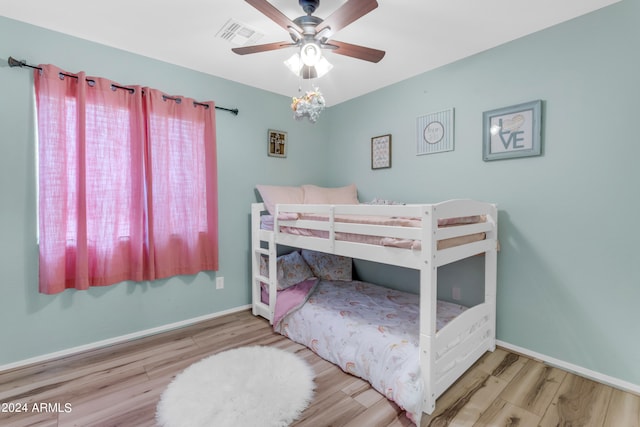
{"type": "Point", "coordinates": [369, 331]}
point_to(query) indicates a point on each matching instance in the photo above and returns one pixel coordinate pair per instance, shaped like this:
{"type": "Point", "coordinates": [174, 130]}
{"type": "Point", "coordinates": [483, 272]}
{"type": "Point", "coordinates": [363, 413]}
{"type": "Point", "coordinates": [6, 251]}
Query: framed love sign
{"type": "Point", "coordinates": [511, 132]}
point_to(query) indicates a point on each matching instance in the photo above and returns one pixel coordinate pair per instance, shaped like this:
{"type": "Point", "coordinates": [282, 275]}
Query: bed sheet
{"type": "Point", "coordinates": [369, 331]}
{"type": "Point", "coordinates": [267, 224]}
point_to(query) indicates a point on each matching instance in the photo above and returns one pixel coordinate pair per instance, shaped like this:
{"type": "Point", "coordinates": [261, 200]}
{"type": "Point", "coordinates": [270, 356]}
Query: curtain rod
{"type": "Point", "coordinates": [15, 63]}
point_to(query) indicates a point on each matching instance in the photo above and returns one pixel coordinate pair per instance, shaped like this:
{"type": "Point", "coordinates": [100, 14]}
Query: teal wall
{"type": "Point", "coordinates": [569, 266]}
{"type": "Point", "coordinates": [32, 324]}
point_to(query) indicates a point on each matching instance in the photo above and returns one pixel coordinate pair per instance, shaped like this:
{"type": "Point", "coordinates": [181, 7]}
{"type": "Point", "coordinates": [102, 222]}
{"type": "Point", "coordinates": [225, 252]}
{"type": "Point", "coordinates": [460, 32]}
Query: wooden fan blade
{"type": "Point", "coordinates": [355, 51]}
{"type": "Point", "coordinates": [345, 15]}
{"type": "Point", "coordinates": [274, 14]}
{"type": "Point", "coordinates": [261, 48]}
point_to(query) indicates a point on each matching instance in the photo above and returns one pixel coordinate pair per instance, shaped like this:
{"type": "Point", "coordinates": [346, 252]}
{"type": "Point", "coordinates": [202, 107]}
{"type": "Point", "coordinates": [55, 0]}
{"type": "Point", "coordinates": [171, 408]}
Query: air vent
{"type": "Point", "coordinates": [238, 33]}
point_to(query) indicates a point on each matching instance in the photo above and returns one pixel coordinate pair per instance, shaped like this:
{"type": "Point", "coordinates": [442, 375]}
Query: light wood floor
{"type": "Point", "coordinates": [120, 386]}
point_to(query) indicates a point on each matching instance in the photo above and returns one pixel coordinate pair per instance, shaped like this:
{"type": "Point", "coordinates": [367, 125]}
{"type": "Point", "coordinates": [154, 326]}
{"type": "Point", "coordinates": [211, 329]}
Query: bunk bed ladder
{"type": "Point", "coordinates": [258, 251]}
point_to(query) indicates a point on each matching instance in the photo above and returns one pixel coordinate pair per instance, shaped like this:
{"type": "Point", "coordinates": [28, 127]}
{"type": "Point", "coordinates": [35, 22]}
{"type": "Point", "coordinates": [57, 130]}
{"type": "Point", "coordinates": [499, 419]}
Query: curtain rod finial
{"type": "Point", "coordinates": [15, 63]}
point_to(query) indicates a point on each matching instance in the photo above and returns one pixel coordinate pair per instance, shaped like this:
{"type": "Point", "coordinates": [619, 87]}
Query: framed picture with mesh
{"type": "Point", "coordinates": [381, 152]}
{"type": "Point", "coordinates": [435, 132]}
{"type": "Point", "coordinates": [277, 143]}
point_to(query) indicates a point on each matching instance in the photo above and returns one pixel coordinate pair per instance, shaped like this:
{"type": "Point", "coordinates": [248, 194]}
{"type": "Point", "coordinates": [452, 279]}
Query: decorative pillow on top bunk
{"type": "Point", "coordinates": [328, 266]}
{"type": "Point", "coordinates": [291, 269]}
{"type": "Point", "coordinates": [314, 195]}
{"type": "Point", "coordinates": [306, 194]}
{"type": "Point", "coordinates": [274, 194]}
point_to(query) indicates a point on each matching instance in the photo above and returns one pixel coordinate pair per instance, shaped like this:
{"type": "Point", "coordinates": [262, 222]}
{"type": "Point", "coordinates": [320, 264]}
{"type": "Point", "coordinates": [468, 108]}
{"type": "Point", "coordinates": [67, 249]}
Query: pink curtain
{"type": "Point", "coordinates": [98, 223]}
{"type": "Point", "coordinates": [183, 185]}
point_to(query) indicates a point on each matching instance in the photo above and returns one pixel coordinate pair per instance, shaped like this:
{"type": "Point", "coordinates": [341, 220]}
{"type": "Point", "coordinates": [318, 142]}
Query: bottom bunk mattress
{"type": "Point", "coordinates": [369, 331]}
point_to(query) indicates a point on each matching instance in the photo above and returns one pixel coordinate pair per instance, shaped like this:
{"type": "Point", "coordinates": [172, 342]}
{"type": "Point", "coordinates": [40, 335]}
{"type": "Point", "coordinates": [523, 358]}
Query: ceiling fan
{"type": "Point", "coordinates": [311, 34]}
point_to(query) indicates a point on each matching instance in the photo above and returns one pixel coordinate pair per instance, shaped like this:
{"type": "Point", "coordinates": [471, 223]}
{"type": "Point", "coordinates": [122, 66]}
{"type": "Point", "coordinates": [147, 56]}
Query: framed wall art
{"type": "Point", "coordinates": [381, 152]}
{"type": "Point", "coordinates": [511, 132]}
{"type": "Point", "coordinates": [277, 143]}
{"type": "Point", "coordinates": [435, 132]}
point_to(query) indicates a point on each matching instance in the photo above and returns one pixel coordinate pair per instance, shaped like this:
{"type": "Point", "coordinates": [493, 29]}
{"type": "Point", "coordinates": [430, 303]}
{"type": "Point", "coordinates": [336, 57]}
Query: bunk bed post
{"type": "Point", "coordinates": [256, 208]}
{"type": "Point", "coordinates": [428, 305]}
{"type": "Point", "coordinates": [332, 228]}
{"type": "Point", "coordinates": [273, 263]}
{"type": "Point", "coordinates": [491, 273]}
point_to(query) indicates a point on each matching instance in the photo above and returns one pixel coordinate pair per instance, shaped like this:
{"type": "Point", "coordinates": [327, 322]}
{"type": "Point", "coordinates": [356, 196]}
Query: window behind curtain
{"type": "Point", "coordinates": [105, 200]}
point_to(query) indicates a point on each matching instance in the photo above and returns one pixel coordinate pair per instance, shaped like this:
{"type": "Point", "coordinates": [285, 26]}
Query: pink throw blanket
{"type": "Point", "coordinates": [292, 298]}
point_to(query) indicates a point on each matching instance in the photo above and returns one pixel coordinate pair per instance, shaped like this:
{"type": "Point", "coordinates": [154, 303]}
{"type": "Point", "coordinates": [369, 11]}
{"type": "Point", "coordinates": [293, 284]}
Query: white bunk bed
{"type": "Point", "coordinates": [445, 354]}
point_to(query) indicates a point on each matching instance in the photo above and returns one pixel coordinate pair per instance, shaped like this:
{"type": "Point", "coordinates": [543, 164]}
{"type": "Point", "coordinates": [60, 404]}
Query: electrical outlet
{"type": "Point", "coordinates": [219, 282]}
{"type": "Point", "coordinates": [456, 293]}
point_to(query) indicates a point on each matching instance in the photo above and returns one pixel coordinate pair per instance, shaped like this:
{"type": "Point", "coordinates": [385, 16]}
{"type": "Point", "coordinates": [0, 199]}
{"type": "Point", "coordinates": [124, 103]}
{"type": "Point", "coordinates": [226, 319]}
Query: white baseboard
{"type": "Point", "coordinates": [579, 370]}
{"type": "Point", "coordinates": [120, 339]}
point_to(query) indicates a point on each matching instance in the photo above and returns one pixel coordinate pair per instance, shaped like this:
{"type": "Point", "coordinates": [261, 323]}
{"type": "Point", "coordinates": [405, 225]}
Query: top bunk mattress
{"type": "Point", "coordinates": [267, 223]}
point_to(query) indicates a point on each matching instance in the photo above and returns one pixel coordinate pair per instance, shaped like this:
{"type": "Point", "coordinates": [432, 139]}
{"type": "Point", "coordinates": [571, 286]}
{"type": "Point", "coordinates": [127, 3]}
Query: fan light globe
{"type": "Point", "coordinates": [294, 64]}
{"type": "Point", "coordinates": [323, 66]}
{"type": "Point", "coordinates": [310, 54]}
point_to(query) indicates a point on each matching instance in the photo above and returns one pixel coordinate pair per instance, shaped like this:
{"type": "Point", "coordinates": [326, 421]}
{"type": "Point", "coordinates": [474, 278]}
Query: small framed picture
{"type": "Point", "coordinates": [513, 131]}
{"type": "Point", "coordinates": [435, 132]}
{"type": "Point", "coordinates": [277, 143]}
{"type": "Point", "coordinates": [381, 152]}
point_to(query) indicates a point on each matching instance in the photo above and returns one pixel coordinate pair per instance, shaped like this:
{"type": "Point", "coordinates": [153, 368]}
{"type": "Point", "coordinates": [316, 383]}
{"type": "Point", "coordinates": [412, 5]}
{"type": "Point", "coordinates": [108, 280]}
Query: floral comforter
{"type": "Point", "coordinates": [369, 331]}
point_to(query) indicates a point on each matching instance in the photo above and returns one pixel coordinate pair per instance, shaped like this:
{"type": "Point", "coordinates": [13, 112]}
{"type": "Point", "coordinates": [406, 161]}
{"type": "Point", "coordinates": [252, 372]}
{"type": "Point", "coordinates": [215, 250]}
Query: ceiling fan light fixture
{"type": "Point", "coordinates": [310, 53]}
{"type": "Point", "coordinates": [299, 68]}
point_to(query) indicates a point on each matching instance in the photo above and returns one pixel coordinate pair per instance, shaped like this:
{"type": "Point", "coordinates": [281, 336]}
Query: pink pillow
{"type": "Point", "coordinates": [272, 195]}
{"type": "Point", "coordinates": [315, 195]}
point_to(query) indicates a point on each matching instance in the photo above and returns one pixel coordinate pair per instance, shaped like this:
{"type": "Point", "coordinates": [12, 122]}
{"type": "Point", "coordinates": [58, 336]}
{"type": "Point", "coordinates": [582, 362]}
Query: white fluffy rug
{"type": "Point", "coordinates": [248, 386]}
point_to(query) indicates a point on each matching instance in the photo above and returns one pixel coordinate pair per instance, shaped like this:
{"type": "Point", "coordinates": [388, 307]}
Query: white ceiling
{"type": "Point", "coordinates": [417, 35]}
